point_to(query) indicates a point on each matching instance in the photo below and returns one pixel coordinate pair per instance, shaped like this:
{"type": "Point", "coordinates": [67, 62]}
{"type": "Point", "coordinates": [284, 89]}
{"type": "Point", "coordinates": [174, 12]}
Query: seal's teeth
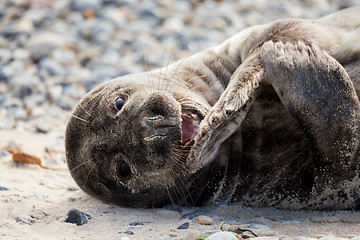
{"type": "Point", "coordinates": [195, 116]}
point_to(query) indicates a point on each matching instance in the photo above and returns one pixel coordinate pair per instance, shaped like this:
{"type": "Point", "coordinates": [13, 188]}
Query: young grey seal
{"type": "Point", "coordinates": [270, 117]}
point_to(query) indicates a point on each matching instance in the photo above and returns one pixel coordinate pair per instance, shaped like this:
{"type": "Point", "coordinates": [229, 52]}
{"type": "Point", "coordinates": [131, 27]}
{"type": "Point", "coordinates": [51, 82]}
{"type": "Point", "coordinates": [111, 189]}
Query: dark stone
{"type": "Point", "coordinates": [184, 226]}
{"type": "Point", "coordinates": [23, 220]}
{"type": "Point", "coordinates": [78, 217]}
{"type": "Point", "coordinates": [138, 223]}
{"type": "Point", "coordinates": [3, 188]}
{"type": "Point", "coordinates": [194, 214]}
{"type": "Point", "coordinates": [127, 232]}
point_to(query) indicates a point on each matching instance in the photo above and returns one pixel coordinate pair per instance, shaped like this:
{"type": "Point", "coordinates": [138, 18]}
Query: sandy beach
{"type": "Point", "coordinates": [53, 52]}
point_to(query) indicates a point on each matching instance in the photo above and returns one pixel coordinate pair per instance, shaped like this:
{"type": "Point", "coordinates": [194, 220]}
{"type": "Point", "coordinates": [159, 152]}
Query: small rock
{"type": "Point", "coordinates": [3, 188]}
{"type": "Point", "coordinates": [328, 237]}
{"type": "Point", "coordinates": [138, 223]}
{"type": "Point", "coordinates": [38, 214]}
{"type": "Point", "coordinates": [354, 237]}
{"type": "Point", "coordinates": [22, 220]}
{"type": "Point", "coordinates": [52, 67]}
{"type": "Point", "coordinates": [204, 220]}
{"type": "Point", "coordinates": [127, 232]}
{"type": "Point", "coordinates": [300, 238]}
{"type": "Point", "coordinates": [192, 215]}
{"type": "Point", "coordinates": [43, 127]}
{"type": "Point", "coordinates": [71, 199]}
{"type": "Point", "coordinates": [183, 226]}
{"type": "Point", "coordinates": [224, 236]}
{"type": "Point", "coordinates": [191, 234]}
{"type": "Point", "coordinates": [78, 217]}
{"type": "Point", "coordinates": [250, 230]}
{"type": "Point", "coordinates": [80, 5]}
{"type": "Point", "coordinates": [40, 51]}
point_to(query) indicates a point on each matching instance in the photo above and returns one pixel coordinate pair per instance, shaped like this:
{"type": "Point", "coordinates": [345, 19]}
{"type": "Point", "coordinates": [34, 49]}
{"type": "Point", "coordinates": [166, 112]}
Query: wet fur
{"type": "Point", "coordinates": [253, 146]}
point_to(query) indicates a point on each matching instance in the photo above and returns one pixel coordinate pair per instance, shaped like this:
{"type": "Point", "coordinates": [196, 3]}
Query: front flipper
{"type": "Point", "coordinates": [317, 91]}
{"type": "Point", "coordinates": [230, 110]}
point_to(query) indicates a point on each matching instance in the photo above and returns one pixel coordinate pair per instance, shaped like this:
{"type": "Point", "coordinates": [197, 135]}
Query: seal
{"type": "Point", "coordinates": [270, 117]}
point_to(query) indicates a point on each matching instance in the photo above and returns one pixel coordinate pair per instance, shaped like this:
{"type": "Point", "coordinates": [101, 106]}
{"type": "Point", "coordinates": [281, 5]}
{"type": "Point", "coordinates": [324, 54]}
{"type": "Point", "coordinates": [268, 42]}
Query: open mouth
{"type": "Point", "coordinates": [189, 126]}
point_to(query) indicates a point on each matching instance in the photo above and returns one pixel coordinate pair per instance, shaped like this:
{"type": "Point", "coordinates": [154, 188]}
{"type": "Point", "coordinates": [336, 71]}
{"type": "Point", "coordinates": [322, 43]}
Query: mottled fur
{"type": "Point", "coordinates": [279, 118]}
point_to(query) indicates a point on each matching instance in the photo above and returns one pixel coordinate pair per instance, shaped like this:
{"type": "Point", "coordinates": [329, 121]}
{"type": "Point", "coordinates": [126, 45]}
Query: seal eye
{"type": "Point", "coordinates": [119, 103]}
{"type": "Point", "coordinates": [124, 170]}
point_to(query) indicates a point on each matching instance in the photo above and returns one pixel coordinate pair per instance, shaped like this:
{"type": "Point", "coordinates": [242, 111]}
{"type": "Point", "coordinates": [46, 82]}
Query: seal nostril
{"type": "Point", "coordinates": [124, 170]}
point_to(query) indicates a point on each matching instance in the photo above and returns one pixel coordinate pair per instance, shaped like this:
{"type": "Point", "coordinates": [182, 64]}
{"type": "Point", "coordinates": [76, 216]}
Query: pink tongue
{"type": "Point", "coordinates": [188, 129]}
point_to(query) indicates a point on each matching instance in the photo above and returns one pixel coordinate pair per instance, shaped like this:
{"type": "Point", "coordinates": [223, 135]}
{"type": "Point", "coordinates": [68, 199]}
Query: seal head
{"type": "Point", "coordinates": [128, 142]}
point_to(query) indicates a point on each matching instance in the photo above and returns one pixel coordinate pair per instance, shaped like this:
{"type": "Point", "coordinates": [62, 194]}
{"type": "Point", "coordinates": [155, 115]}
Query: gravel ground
{"type": "Point", "coordinates": [53, 51]}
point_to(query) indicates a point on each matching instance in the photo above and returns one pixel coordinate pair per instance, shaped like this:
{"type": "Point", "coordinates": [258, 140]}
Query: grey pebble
{"type": "Point", "coordinates": [127, 232]}
{"type": "Point", "coordinates": [138, 223]}
{"type": "Point", "coordinates": [71, 199]}
{"type": "Point", "coordinates": [42, 127]}
{"type": "Point", "coordinates": [194, 214]}
{"type": "Point", "coordinates": [77, 217]}
{"type": "Point", "coordinates": [23, 220]}
{"type": "Point", "coordinates": [184, 226]}
{"type": "Point", "coordinates": [328, 237]}
{"type": "Point", "coordinates": [3, 188]}
{"type": "Point", "coordinates": [52, 67]}
{"type": "Point", "coordinates": [300, 238]}
{"type": "Point", "coordinates": [80, 5]}
{"type": "Point", "coordinates": [38, 214]}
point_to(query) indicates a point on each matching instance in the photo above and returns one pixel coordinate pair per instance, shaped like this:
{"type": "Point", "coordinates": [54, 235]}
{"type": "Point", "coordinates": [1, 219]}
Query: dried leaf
{"type": "Point", "coordinates": [21, 157]}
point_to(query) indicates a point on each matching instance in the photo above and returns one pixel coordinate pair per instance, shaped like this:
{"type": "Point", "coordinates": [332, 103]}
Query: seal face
{"type": "Point", "coordinates": [127, 139]}
{"type": "Point", "coordinates": [270, 117]}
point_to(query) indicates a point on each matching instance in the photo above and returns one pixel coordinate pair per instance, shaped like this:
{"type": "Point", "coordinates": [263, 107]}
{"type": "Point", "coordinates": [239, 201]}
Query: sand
{"type": "Point", "coordinates": [38, 199]}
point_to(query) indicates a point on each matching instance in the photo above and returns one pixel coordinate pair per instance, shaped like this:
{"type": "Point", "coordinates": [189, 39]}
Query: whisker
{"type": "Point", "coordinates": [192, 79]}
{"type": "Point", "coordinates": [166, 69]}
{"type": "Point", "coordinates": [85, 110]}
{"type": "Point", "coordinates": [177, 68]}
{"type": "Point", "coordinates": [147, 69]}
{"type": "Point", "coordinates": [80, 165]}
{"type": "Point", "coordinates": [161, 65]}
{"type": "Point", "coordinates": [172, 202]}
{"type": "Point", "coordinates": [75, 116]}
{"type": "Point", "coordinates": [92, 168]}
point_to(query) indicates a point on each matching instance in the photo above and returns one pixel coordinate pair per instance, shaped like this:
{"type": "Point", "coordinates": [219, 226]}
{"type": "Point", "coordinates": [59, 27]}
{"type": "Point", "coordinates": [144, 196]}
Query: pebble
{"type": "Point", "coordinates": [3, 188]}
{"type": "Point", "coordinates": [328, 237]}
{"type": "Point", "coordinates": [127, 232]}
{"type": "Point", "coordinates": [138, 223]}
{"type": "Point", "coordinates": [224, 236]}
{"type": "Point", "coordinates": [300, 238]}
{"type": "Point", "coordinates": [52, 67]}
{"type": "Point", "coordinates": [43, 127]}
{"type": "Point", "coordinates": [204, 220]}
{"type": "Point", "coordinates": [250, 230]}
{"type": "Point", "coordinates": [183, 226]}
{"type": "Point", "coordinates": [193, 214]}
{"type": "Point", "coordinates": [77, 217]}
{"type": "Point", "coordinates": [23, 220]}
{"type": "Point", "coordinates": [38, 214]}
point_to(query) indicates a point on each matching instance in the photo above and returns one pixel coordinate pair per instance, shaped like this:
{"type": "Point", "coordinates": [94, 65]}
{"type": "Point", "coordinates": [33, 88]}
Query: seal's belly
{"type": "Point", "coordinates": [276, 160]}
